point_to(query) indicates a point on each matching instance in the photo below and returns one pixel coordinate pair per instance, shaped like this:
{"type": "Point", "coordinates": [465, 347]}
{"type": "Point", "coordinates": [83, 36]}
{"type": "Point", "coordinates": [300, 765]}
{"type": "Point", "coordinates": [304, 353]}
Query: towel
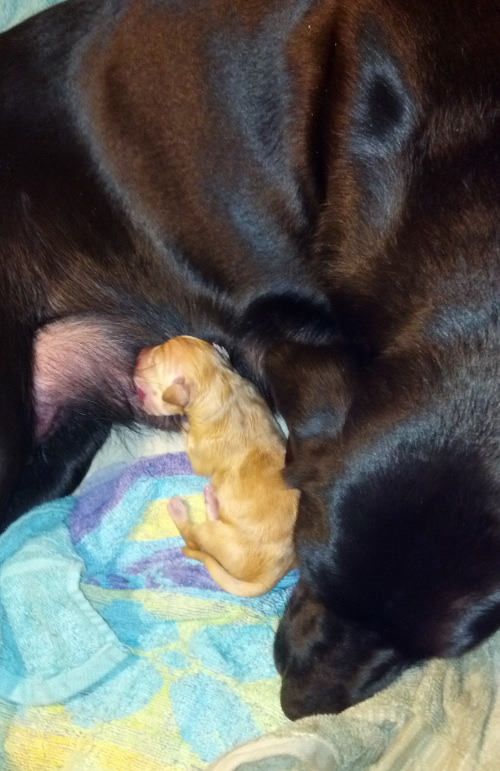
{"type": "Point", "coordinates": [442, 716]}
{"type": "Point", "coordinates": [14, 11]}
{"type": "Point", "coordinates": [116, 650]}
{"type": "Point", "coordinates": [53, 644]}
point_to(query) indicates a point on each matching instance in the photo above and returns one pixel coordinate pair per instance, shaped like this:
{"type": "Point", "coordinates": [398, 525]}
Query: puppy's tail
{"type": "Point", "coordinates": [228, 582]}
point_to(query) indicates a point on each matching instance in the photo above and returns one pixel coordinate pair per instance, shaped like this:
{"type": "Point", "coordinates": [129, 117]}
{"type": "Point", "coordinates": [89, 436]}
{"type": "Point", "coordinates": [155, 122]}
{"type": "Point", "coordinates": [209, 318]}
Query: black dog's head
{"type": "Point", "coordinates": [327, 662]}
{"type": "Point", "coordinates": [395, 440]}
{"type": "Point", "coordinates": [398, 530]}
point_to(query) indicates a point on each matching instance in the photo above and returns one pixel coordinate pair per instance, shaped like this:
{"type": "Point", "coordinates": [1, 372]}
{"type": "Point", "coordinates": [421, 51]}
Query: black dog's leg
{"type": "Point", "coordinates": [15, 405]}
{"type": "Point", "coordinates": [51, 424]}
{"type": "Point", "coordinates": [14, 443]}
{"type": "Point", "coordinates": [58, 465]}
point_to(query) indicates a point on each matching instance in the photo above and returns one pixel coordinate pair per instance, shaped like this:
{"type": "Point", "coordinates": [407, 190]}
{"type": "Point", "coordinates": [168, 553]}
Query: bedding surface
{"type": "Point", "coordinates": [184, 671]}
{"type": "Point", "coordinates": [14, 11]}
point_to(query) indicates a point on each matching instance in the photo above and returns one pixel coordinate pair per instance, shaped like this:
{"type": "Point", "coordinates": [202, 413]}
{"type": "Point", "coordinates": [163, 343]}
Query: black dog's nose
{"type": "Point", "coordinates": [293, 710]}
{"type": "Point", "coordinates": [300, 700]}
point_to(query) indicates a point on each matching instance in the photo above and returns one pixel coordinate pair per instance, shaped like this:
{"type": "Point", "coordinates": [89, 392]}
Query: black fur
{"type": "Point", "coordinates": [314, 184]}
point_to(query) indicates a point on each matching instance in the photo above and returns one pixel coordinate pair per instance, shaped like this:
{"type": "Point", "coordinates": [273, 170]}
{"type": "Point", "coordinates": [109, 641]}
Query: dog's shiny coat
{"type": "Point", "coordinates": [232, 437]}
{"type": "Point", "coordinates": [315, 185]}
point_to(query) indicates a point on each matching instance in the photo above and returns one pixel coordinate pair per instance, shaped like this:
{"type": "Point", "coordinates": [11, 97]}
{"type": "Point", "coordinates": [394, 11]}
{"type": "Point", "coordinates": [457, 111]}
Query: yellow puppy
{"type": "Point", "coordinates": [232, 438]}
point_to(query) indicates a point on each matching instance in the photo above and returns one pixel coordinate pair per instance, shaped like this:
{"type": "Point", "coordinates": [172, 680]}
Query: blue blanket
{"type": "Point", "coordinates": [102, 614]}
{"type": "Point", "coordinates": [14, 11]}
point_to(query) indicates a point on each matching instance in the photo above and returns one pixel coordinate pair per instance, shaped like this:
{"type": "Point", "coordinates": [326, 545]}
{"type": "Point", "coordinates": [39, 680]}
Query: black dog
{"type": "Point", "coordinates": [315, 185]}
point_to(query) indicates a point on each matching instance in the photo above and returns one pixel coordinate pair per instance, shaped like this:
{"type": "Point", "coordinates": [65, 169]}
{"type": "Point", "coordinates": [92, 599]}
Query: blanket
{"type": "Point", "coordinates": [116, 650]}
{"type": "Point", "coordinates": [444, 716]}
{"type": "Point", "coordinates": [14, 11]}
{"type": "Point", "coordinates": [155, 667]}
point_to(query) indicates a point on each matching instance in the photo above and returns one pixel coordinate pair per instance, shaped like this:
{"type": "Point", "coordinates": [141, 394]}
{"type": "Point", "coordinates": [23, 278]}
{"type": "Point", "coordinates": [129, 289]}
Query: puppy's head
{"type": "Point", "coordinates": [170, 377]}
{"type": "Point", "coordinates": [398, 529]}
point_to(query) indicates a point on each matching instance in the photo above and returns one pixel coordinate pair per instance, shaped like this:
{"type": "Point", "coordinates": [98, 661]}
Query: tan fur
{"type": "Point", "coordinates": [233, 439]}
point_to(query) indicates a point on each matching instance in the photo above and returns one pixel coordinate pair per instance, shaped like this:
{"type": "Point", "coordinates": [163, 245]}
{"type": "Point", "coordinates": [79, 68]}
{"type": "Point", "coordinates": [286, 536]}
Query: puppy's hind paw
{"type": "Point", "coordinates": [178, 510]}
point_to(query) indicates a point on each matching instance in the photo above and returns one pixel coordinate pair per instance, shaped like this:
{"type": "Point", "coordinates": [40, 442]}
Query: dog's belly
{"type": "Point", "coordinates": [149, 190]}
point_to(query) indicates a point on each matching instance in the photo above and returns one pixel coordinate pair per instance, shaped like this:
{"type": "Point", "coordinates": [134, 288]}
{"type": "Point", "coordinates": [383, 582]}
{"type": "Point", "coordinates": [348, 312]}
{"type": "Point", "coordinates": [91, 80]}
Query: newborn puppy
{"type": "Point", "coordinates": [232, 438]}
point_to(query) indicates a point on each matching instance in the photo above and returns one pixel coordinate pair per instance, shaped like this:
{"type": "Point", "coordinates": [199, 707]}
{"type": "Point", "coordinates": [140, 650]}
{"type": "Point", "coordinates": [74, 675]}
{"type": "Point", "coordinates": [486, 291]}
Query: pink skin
{"type": "Point", "coordinates": [69, 354]}
{"type": "Point", "coordinates": [211, 503]}
{"type": "Point", "coordinates": [149, 394]}
{"type": "Point", "coordinates": [179, 511]}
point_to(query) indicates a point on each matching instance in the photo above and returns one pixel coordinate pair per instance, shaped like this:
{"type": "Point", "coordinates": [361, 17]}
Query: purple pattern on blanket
{"type": "Point", "coordinates": [90, 510]}
{"type": "Point", "coordinates": [173, 565]}
{"type": "Point", "coordinates": [115, 581]}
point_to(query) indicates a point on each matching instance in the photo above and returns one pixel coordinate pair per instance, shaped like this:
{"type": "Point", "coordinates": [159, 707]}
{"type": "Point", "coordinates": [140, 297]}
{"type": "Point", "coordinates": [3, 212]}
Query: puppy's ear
{"type": "Point", "coordinates": [311, 386]}
{"type": "Point", "coordinates": [176, 397]}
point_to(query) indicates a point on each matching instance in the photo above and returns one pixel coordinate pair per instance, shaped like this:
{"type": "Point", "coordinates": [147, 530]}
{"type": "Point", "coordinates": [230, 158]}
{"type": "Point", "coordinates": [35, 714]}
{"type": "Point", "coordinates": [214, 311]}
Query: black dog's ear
{"type": "Point", "coordinates": [383, 118]}
{"type": "Point", "coordinates": [311, 386]}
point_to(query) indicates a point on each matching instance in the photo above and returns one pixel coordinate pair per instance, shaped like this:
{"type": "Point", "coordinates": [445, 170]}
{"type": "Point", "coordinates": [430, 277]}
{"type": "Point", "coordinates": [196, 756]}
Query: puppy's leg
{"type": "Point", "coordinates": [179, 512]}
{"type": "Point", "coordinates": [196, 536]}
{"type": "Point", "coordinates": [214, 537]}
{"type": "Point", "coordinates": [213, 543]}
{"type": "Point", "coordinates": [211, 503]}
